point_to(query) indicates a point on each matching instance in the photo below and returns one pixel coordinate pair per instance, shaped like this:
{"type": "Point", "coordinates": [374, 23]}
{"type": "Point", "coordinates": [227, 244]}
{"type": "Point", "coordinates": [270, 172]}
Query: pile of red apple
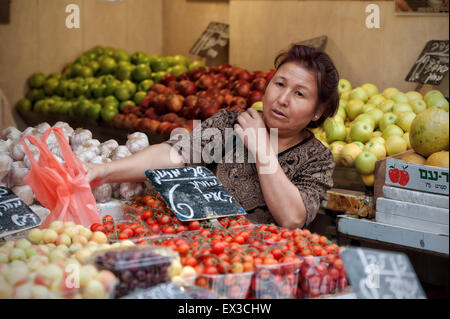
{"type": "Point", "coordinates": [197, 95]}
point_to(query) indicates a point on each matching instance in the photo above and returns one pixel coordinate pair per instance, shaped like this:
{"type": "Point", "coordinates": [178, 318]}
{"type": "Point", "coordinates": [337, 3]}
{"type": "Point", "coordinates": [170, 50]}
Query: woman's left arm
{"type": "Point", "coordinates": [281, 196]}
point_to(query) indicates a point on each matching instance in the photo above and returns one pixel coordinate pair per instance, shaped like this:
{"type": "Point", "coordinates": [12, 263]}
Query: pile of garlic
{"type": "Point", "coordinates": [14, 163]}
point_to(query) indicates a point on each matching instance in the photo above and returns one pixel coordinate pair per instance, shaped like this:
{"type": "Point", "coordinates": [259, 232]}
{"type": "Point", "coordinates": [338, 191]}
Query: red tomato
{"type": "Point", "coordinates": [183, 248]}
{"type": "Point", "coordinates": [181, 228]}
{"type": "Point", "coordinates": [218, 247]}
{"type": "Point", "coordinates": [94, 226]}
{"type": "Point", "coordinates": [155, 228]}
{"type": "Point", "coordinates": [205, 233]}
{"type": "Point", "coordinates": [168, 229]}
{"type": "Point", "coordinates": [277, 253]}
{"type": "Point", "coordinates": [190, 261]}
{"type": "Point", "coordinates": [108, 218]}
{"type": "Point", "coordinates": [194, 225]}
{"type": "Point", "coordinates": [123, 235]}
{"type": "Point", "coordinates": [239, 239]}
{"type": "Point", "coordinates": [147, 214]}
{"type": "Point", "coordinates": [139, 231]}
{"type": "Point", "coordinates": [210, 270]}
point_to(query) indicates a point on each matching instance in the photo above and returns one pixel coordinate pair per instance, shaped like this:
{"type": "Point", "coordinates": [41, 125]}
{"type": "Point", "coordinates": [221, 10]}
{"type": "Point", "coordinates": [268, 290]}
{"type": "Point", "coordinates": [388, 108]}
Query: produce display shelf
{"type": "Point", "coordinates": [370, 229]}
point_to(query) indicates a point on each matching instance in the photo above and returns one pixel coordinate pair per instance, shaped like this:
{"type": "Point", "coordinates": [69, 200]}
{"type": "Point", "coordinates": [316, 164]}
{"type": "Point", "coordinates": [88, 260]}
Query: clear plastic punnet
{"type": "Point", "coordinates": [321, 276]}
{"type": "Point", "coordinates": [278, 281]}
{"type": "Point", "coordinates": [227, 286]}
{"type": "Point", "coordinates": [136, 267]}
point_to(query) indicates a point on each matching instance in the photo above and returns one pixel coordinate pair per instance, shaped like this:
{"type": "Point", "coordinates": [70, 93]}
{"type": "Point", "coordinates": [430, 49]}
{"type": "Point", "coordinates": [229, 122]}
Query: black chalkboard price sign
{"type": "Point", "coordinates": [378, 274]}
{"type": "Point", "coordinates": [432, 64]}
{"type": "Point", "coordinates": [193, 193]}
{"type": "Point", "coordinates": [212, 41]}
{"type": "Point", "coordinates": [15, 215]}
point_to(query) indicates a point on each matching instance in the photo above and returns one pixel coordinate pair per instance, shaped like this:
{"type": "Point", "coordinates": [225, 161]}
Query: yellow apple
{"type": "Point", "coordinates": [365, 162]}
{"type": "Point", "coordinates": [345, 96]}
{"type": "Point", "coordinates": [392, 129]}
{"type": "Point", "coordinates": [336, 149]}
{"type": "Point", "coordinates": [405, 119]}
{"type": "Point", "coordinates": [377, 99]}
{"type": "Point", "coordinates": [361, 131]}
{"type": "Point", "coordinates": [387, 119]}
{"type": "Point", "coordinates": [376, 114]}
{"type": "Point", "coordinates": [370, 89]}
{"type": "Point", "coordinates": [395, 144]}
{"type": "Point", "coordinates": [401, 107]}
{"type": "Point", "coordinates": [367, 107]}
{"type": "Point", "coordinates": [408, 142]}
{"type": "Point", "coordinates": [354, 108]}
{"type": "Point", "coordinates": [364, 118]}
{"type": "Point", "coordinates": [344, 86]}
{"type": "Point", "coordinates": [386, 106]}
{"type": "Point", "coordinates": [376, 148]}
{"type": "Point", "coordinates": [378, 134]}
{"type": "Point", "coordinates": [368, 180]}
{"type": "Point", "coordinates": [349, 154]}
{"type": "Point", "coordinates": [418, 105]}
{"type": "Point", "coordinates": [399, 97]}
{"type": "Point", "coordinates": [358, 94]}
{"type": "Point", "coordinates": [413, 95]}
{"type": "Point", "coordinates": [389, 92]}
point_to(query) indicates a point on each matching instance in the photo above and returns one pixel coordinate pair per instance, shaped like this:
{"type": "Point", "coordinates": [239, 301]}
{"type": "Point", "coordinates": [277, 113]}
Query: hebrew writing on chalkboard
{"type": "Point", "coordinates": [318, 43]}
{"type": "Point", "coordinates": [15, 215]}
{"type": "Point", "coordinates": [193, 193]}
{"type": "Point", "coordinates": [378, 274]}
{"type": "Point", "coordinates": [212, 40]}
{"type": "Point", "coordinates": [432, 64]}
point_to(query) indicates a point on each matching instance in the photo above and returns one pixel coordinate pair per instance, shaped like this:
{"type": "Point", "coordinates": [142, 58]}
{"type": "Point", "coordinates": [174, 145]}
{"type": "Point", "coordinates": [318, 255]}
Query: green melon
{"type": "Point", "coordinates": [429, 131]}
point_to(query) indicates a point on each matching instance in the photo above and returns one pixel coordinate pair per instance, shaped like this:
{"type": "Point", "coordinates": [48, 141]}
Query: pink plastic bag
{"type": "Point", "coordinates": [62, 188]}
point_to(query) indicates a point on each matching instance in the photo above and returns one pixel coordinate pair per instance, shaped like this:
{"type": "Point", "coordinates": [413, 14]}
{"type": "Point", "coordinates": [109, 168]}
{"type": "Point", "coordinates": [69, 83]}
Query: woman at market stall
{"type": "Point", "coordinates": [282, 182]}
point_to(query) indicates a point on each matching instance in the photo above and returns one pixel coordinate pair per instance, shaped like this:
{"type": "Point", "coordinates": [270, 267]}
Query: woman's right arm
{"type": "Point", "coordinates": [132, 169]}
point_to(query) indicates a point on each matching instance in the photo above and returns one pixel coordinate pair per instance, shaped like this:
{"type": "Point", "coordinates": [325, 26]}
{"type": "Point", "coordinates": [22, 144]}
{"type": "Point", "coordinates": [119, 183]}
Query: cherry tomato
{"type": "Point", "coordinates": [108, 218]}
{"type": "Point", "coordinates": [168, 229]}
{"type": "Point", "coordinates": [194, 225]}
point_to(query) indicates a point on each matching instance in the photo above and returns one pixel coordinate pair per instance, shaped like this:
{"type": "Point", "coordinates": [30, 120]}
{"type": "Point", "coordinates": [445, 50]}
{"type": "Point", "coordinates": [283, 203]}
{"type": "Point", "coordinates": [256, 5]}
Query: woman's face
{"type": "Point", "coordinates": [290, 99]}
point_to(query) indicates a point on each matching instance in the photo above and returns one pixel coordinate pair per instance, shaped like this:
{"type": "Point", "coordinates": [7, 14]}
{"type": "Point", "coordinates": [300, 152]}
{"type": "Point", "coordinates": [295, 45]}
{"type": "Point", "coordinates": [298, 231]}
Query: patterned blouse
{"type": "Point", "coordinates": [309, 165]}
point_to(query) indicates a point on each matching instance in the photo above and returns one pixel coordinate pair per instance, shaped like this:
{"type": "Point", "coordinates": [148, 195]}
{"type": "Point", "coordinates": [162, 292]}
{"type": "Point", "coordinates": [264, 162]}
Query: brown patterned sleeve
{"type": "Point", "coordinates": [314, 178]}
{"type": "Point", "coordinates": [197, 148]}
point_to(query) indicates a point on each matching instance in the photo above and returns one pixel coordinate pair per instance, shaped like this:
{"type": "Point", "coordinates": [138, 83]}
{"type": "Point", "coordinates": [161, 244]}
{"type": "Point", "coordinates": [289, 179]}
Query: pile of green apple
{"type": "Point", "coordinates": [370, 125]}
{"type": "Point", "coordinates": [100, 82]}
{"type": "Point", "coordinates": [51, 263]}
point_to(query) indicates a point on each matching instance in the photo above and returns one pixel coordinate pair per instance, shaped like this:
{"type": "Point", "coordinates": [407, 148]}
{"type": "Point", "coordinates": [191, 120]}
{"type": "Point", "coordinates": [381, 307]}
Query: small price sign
{"type": "Point", "coordinates": [432, 64]}
{"type": "Point", "coordinates": [15, 215]}
{"type": "Point", "coordinates": [193, 193]}
{"type": "Point", "coordinates": [378, 274]}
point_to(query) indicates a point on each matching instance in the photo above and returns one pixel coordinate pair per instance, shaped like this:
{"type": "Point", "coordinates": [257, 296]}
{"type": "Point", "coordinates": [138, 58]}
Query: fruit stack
{"type": "Point", "coordinates": [100, 82]}
{"type": "Point", "coordinates": [369, 125]}
{"type": "Point", "coordinates": [48, 264]}
{"type": "Point", "coordinates": [178, 100]}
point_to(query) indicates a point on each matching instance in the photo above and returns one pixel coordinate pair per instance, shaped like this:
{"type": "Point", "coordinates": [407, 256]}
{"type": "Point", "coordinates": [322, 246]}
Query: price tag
{"type": "Point", "coordinates": [377, 274]}
{"type": "Point", "coordinates": [15, 215]}
{"type": "Point", "coordinates": [212, 41]}
{"type": "Point", "coordinates": [193, 193]}
{"type": "Point", "coordinates": [432, 64]}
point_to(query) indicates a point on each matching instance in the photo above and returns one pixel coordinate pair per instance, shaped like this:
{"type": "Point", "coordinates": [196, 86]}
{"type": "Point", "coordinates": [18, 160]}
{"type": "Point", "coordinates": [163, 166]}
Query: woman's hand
{"type": "Point", "coordinates": [253, 132]}
{"type": "Point", "coordinates": [96, 174]}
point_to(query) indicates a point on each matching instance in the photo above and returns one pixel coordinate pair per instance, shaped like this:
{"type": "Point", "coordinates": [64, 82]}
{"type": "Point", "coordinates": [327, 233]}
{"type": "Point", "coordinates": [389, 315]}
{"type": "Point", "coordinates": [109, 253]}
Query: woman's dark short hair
{"type": "Point", "coordinates": [320, 64]}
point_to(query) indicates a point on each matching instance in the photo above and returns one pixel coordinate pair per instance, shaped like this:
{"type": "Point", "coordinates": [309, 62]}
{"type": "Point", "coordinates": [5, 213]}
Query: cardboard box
{"type": "Point", "coordinates": [411, 215]}
{"type": "Point", "coordinates": [424, 178]}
